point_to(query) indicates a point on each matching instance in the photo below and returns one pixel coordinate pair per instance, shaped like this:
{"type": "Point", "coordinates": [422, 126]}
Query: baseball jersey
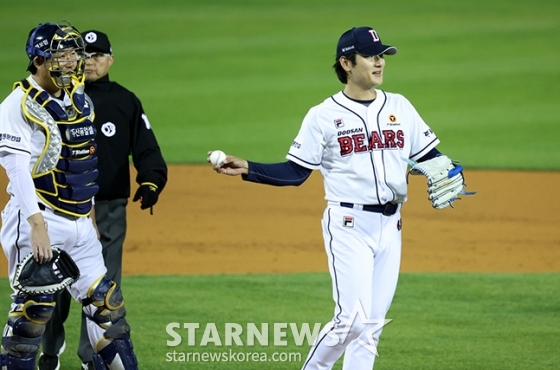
{"type": "Point", "coordinates": [359, 149]}
{"type": "Point", "coordinates": [17, 135]}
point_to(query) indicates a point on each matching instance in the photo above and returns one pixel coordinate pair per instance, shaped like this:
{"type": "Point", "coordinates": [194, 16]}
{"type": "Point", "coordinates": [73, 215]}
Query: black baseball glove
{"type": "Point", "coordinates": [147, 194]}
{"type": "Point", "coordinates": [49, 277]}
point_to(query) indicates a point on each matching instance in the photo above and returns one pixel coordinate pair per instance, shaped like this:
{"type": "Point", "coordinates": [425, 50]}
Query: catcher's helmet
{"type": "Point", "coordinates": [50, 41]}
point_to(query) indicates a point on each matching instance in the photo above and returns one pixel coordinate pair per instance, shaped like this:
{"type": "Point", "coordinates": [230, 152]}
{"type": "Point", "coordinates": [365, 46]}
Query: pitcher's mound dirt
{"type": "Point", "coordinates": [207, 223]}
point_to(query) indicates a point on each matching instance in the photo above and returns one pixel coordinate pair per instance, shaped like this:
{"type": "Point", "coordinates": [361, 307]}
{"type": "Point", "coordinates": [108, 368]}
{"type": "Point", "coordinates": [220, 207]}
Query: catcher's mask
{"type": "Point", "coordinates": [62, 48]}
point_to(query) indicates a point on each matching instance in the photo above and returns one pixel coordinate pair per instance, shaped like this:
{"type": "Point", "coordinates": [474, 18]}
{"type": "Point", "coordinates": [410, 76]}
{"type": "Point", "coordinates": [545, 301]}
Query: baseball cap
{"type": "Point", "coordinates": [97, 41]}
{"type": "Point", "coordinates": [362, 40]}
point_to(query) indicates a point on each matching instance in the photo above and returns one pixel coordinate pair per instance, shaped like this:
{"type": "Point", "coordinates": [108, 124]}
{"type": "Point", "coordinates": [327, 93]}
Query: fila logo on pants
{"type": "Point", "coordinates": [348, 221]}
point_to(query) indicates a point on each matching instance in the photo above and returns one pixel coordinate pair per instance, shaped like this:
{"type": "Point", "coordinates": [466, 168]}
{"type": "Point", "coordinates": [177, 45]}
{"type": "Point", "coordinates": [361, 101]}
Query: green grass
{"type": "Point", "coordinates": [240, 76]}
{"type": "Point", "coordinates": [440, 321]}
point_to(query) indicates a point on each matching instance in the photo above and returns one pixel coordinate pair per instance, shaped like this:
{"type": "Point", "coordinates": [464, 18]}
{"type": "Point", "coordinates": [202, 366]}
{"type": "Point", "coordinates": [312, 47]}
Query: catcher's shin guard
{"type": "Point", "coordinates": [116, 355]}
{"type": "Point", "coordinates": [26, 325]}
{"type": "Point", "coordinates": [104, 305]}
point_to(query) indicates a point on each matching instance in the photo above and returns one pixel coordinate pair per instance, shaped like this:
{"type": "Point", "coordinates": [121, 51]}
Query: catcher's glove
{"type": "Point", "coordinates": [445, 180]}
{"type": "Point", "coordinates": [49, 277]}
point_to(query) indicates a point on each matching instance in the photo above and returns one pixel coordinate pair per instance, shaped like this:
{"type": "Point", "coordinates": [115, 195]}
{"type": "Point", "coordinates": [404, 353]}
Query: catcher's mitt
{"type": "Point", "coordinates": [49, 277]}
{"type": "Point", "coordinates": [445, 180]}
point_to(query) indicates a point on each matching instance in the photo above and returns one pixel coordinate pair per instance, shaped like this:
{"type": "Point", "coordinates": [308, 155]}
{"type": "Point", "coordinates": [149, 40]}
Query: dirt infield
{"type": "Point", "coordinates": [205, 223]}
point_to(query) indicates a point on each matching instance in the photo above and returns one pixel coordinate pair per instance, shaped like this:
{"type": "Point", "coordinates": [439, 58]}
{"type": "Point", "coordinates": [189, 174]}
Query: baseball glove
{"type": "Point", "coordinates": [445, 180]}
{"type": "Point", "coordinates": [49, 277]}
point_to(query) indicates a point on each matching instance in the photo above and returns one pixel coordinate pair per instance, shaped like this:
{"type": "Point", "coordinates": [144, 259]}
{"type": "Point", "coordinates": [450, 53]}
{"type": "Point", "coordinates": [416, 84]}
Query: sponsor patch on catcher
{"type": "Point", "coordinates": [348, 221]}
{"type": "Point", "coordinates": [338, 123]}
{"type": "Point", "coordinates": [8, 137]}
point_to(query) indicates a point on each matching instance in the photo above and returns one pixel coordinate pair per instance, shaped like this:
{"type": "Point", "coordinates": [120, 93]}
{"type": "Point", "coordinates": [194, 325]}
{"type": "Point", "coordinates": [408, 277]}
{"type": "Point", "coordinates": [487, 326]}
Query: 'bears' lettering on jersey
{"type": "Point", "coordinates": [359, 142]}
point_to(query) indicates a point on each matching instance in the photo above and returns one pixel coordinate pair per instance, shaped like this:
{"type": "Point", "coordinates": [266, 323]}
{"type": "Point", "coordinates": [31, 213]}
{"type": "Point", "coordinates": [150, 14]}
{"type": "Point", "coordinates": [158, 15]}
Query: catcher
{"type": "Point", "coordinates": [48, 150]}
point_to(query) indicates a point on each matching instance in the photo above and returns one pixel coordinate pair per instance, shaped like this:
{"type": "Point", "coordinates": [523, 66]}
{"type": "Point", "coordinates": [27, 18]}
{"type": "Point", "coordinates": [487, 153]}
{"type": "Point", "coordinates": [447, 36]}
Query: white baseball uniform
{"type": "Point", "coordinates": [22, 144]}
{"type": "Point", "coordinates": [359, 150]}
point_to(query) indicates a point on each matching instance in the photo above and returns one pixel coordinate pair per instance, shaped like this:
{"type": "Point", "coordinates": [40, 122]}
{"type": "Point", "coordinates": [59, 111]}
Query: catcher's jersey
{"type": "Point", "coordinates": [17, 134]}
{"type": "Point", "coordinates": [360, 150]}
{"type": "Point", "coordinates": [20, 135]}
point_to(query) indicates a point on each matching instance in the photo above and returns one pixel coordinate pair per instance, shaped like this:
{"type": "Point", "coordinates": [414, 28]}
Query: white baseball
{"type": "Point", "coordinates": [217, 158]}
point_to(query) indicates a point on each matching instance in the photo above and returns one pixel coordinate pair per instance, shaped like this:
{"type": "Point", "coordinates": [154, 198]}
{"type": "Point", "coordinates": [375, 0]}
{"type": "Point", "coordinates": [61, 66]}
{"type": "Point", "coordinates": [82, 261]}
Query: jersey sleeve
{"type": "Point", "coordinates": [307, 148]}
{"type": "Point", "coordinates": [15, 131]}
{"type": "Point", "coordinates": [146, 153]}
{"type": "Point", "coordinates": [21, 182]}
{"type": "Point", "coordinates": [423, 139]}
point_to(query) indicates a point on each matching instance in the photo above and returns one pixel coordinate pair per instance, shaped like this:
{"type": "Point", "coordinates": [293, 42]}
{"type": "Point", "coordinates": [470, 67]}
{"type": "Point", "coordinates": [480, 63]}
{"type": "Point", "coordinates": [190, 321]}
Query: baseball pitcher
{"type": "Point", "coordinates": [362, 139]}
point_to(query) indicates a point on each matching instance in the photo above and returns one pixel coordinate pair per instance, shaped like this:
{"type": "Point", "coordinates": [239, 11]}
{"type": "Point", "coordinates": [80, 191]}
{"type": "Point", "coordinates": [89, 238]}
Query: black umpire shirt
{"type": "Point", "coordinates": [122, 130]}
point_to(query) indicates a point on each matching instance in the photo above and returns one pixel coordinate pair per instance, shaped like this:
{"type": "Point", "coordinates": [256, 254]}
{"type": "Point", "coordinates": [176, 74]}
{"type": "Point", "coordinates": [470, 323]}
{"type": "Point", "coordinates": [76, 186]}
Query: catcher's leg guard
{"type": "Point", "coordinates": [114, 349]}
{"type": "Point", "coordinates": [118, 353]}
{"type": "Point", "coordinates": [26, 325]}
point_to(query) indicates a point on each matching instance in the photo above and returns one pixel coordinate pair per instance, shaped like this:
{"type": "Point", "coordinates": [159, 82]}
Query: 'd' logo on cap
{"type": "Point", "coordinates": [374, 35]}
{"type": "Point", "coordinates": [90, 37]}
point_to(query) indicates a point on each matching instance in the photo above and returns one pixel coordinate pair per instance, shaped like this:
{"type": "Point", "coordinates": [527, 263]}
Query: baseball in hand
{"type": "Point", "coordinates": [217, 158]}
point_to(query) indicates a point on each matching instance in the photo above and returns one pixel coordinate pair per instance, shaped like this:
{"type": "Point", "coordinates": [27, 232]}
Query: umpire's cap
{"type": "Point", "coordinates": [362, 40]}
{"type": "Point", "coordinates": [97, 41]}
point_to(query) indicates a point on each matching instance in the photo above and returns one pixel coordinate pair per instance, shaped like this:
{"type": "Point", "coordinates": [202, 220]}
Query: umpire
{"type": "Point", "coordinates": [123, 129]}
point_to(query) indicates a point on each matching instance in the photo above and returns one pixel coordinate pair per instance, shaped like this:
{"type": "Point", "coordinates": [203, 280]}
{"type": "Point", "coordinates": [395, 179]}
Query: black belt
{"type": "Point", "coordinates": [387, 209]}
{"type": "Point", "coordinates": [42, 207]}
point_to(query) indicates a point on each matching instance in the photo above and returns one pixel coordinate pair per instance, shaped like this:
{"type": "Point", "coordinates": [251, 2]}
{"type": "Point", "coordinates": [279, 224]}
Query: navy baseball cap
{"type": "Point", "coordinates": [362, 40]}
{"type": "Point", "coordinates": [97, 41]}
